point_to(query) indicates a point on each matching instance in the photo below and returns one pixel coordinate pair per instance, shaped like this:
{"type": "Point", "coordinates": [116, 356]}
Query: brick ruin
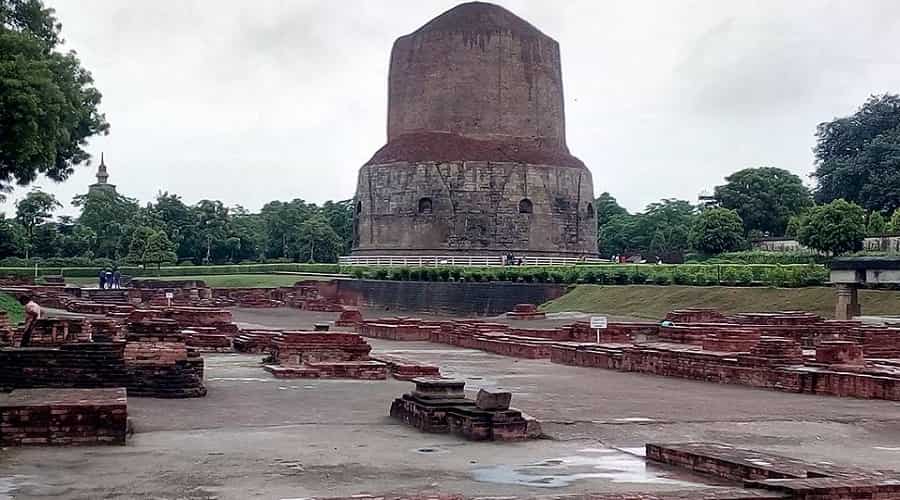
{"type": "Point", "coordinates": [440, 406]}
{"type": "Point", "coordinates": [526, 311]}
{"type": "Point", "coordinates": [59, 417]}
{"type": "Point", "coordinates": [318, 354]}
{"type": "Point", "coordinates": [150, 358]}
{"type": "Point", "coordinates": [790, 351]}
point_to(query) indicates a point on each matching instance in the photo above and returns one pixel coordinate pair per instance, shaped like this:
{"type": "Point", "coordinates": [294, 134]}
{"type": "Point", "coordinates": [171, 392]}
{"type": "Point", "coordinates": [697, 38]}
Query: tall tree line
{"type": "Point", "coordinates": [115, 227]}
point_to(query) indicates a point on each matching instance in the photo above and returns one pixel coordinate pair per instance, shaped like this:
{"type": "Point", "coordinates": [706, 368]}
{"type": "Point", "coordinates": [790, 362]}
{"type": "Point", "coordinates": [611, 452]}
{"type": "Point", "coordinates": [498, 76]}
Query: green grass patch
{"type": "Point", "coordinates": [653, 302]}
{"type": "Point", "coordinates": [222, 281]}
{"type": "Point", "coordinates": [14, 310]}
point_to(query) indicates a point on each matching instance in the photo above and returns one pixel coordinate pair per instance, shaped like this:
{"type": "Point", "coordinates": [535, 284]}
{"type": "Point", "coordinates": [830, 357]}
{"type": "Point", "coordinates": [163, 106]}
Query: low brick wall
{"type": "Point", "coordinates": [473, 298]}
{"type": "Point", "coordinates": [724, 368]}
{"type": "Point", "coordinates": [63, 417]}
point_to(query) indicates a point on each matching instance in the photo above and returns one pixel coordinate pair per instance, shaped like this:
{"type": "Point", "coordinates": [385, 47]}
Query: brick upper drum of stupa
{"type": "Point", "coordinates": [476, 157]}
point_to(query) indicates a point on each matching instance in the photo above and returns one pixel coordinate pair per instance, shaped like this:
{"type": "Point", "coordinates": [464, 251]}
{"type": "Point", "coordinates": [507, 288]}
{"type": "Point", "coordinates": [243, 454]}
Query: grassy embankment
{"type": "Point", "coordinates": [653, 302]}
{"type": "Point", "coordinates": [222, 281]}
{"type": "Point", "coordinates": [14, 310]}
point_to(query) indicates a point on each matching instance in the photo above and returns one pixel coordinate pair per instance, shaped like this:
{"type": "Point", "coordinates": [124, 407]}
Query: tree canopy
{"type": "Point", "coordinates": [663, 230]}
{"type": "Point", "coordinates": [765, 198]}
{"type": "Point", "coordinates": [718, 230]}
{"type": "Point", "coordinates": [48, 102]}
{"type": "Point", "coordinates": [837, 227]}
{"type": "Point", "coordinates": [858, 156]}
{"type": "Point", "coordinates": [607, 207]}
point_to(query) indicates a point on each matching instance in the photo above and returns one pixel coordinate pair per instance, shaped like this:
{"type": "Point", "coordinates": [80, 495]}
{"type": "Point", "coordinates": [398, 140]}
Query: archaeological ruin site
{"type": "Point", "coordinates": [349, 387]}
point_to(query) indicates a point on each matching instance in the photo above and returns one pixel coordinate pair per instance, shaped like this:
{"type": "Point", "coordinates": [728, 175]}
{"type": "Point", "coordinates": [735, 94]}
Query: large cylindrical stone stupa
{"type": "Point", "coordinates": [476, 160]}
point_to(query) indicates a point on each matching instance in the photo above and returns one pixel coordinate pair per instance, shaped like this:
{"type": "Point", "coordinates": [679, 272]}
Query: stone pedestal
{"type": "Point", "coordinates": [847, 303]}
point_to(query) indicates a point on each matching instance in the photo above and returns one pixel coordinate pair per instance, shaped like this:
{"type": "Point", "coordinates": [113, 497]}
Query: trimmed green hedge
{"type": "Point", "coordinates": [761, 257]}
{"type": "Point", "coordinates": [173, 271]}
{"type": "Point", "coordinates": [616, 274]}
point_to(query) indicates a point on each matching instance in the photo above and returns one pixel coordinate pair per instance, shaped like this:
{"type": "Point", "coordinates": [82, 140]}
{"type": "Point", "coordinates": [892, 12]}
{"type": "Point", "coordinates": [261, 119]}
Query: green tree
{"type": "Point", "coordinates": [765, 198]}
{"type": "Point", "coordinates": [33, 210]}
{"type": "Point", "coordinates": [620, 235]}
{"type": "Point", "coordinates": [76, 240]}
{"type": "Point", "coordinates": [159, 249]}
{"type": "Point", "coordinates": [212, 229]}
{"type": "Point", "coordinates": [793, 226]}
{"type": "Point", "coordinates": [837, 227]}
{"type": "Point", "coordinates": [179, 222]}
{"type": "Point", "coordinates": [607, 207]}
{"type": "Point", "coordinates": [45, 242]}
{"type": "Point", "coordinates": [317, 241]}
{"type": "Point", "coordinates": [858, 157]}
{"type": "Point", "coordinates": [340, 217]}
{"type": "Point", "coordinates": [48, 104]}
{"type": "Point", "coordinates": [718, 230]}
{"type": "Point", "coordinates": [12, 237]}
{"type": "Point", "coordinates": [250, 231]}
{"type": "Point", "coordinates": [137, 249]}
{"type": "Point", "coordinates": [667, 224]}
{"type": "Point", "coordinates": [282, 222]}
{"type": "Point", "coordinates": [111, 217]}
{"type": "Point", "coordinates": [877, 226]}
{"type": "Point", "coordinates": [894, 224]}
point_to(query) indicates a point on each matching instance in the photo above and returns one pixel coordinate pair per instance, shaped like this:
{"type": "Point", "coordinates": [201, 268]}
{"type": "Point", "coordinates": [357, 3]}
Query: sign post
{"type": "Point", "coordinates": [599, 323]}
{"type": "Point", "coordinates": [169, 296]}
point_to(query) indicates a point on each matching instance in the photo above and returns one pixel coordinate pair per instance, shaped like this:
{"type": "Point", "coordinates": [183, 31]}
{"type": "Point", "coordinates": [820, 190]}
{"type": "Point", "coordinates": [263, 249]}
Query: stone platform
{"type": "Point", "coordinates": [440, 406]}
{"type": "Point", "coordinates": [63, 417]}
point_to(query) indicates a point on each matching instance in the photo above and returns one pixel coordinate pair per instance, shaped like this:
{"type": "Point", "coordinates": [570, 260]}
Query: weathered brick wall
{"type": "Point", "coordinates": [480, 71]}
{"type": "Point", "coordinates": [476, 125]}
{"type": "Point", "coordinates": [445, 297]}
{"type": "Point", "coordinates": [475, 206]}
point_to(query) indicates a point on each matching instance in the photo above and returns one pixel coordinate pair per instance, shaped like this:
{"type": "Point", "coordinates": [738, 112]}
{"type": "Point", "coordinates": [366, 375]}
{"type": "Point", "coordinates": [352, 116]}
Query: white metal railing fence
{"type": "Point", "coordinates": [464, 261]}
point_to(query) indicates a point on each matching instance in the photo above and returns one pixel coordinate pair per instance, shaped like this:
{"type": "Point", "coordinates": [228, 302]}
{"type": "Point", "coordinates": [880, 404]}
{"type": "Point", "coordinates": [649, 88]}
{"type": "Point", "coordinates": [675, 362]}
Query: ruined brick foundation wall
{"type": "Point", "coordinates": [444, 297]}
{"type": "Point", "coordinates": [474, 206]}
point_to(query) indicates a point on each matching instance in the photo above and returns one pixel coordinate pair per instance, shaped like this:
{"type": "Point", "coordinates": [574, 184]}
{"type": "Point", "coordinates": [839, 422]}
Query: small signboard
{"type": "Point", "coordinates": [170, 296]}
{"type": "Point", "coordinates": [599, 321]}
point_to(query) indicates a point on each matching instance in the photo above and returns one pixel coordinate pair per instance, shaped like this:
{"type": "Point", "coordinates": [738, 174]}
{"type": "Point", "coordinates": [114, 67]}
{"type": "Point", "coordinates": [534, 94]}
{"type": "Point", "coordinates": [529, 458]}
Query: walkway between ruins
{"type": "Point", "coordinates": [257, 437]}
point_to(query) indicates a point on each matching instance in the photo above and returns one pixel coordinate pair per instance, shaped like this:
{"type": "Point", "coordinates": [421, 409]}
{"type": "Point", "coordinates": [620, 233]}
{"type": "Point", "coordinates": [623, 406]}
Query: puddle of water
{"type": "Point", "coordinates": [887, 448]}
{"type": "Point", "coordinates": [596, 463]}
{"type": "Point", "coordinates": [634, 419]}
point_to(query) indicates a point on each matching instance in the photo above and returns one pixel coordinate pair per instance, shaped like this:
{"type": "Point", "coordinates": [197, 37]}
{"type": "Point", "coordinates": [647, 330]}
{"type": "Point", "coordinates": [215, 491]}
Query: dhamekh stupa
{"type": "Point", "coordinates": [476, 160]}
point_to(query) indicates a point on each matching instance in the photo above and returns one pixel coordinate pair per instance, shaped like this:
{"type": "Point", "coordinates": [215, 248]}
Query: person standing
{"type": "Point", "coordinates": [117, 278]}
{"type": "Point", "coordinates": [102, 278]}
{"type": "Point", "coordinates": [32, 314]}
{"type": "Point", "coordinates": [108, 278]}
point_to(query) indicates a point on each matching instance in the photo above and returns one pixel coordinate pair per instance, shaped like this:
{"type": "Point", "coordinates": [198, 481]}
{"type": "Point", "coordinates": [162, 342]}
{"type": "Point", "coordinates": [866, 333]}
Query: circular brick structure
{"type": "Point", "coordinates": [476, 158]}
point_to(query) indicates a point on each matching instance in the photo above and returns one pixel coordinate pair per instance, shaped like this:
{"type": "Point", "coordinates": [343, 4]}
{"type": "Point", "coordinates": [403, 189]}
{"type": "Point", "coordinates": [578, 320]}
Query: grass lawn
{"type": "Point", "coordinates": [653, 302]}
{"type": "Point", "coordinates": [222, 280]}
{"type": "Point", "coordinates": [14, 310]}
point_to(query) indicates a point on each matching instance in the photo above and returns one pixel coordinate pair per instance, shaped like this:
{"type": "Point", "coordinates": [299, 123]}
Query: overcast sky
{"type": "Point", "coordinates": [247, 102]}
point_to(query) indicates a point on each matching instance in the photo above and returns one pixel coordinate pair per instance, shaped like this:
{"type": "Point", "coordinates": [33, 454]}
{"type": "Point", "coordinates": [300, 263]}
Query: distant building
{"type": "Point", "coordinates": [102, 177]}
{"type": "Point", "coordinates": [706, 199]}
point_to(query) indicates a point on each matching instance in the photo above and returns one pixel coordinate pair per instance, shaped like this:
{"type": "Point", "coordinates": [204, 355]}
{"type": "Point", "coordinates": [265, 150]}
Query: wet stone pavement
{"type": "Point", "coordinates": [257, 437]}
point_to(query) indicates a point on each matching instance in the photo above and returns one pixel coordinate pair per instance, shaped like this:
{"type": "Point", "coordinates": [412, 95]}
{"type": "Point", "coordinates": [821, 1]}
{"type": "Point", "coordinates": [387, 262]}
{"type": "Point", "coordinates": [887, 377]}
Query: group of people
{"type": "Point", "coordinates": [110, 279]}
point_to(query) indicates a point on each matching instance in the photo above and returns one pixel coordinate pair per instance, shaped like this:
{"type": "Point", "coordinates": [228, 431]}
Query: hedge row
{"type": "Point", "coordinates": [85, 272]}
{"type": "Point", "coordinates": [663, 274]}
{"type": "Point", "coordinates": [760, 257]}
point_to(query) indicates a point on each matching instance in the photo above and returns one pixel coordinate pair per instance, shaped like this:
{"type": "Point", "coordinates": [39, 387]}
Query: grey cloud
{"type": "Point", "coordinates": [249, 102]}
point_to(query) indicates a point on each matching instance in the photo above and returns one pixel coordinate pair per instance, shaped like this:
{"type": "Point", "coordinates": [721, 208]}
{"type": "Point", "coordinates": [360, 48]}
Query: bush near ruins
{"type": "Point", "coordinates": [661, 274]}
{"type": "Point", "coordinates": [760, 257]}
{"type": "Point", "coordinates": [173, 271]}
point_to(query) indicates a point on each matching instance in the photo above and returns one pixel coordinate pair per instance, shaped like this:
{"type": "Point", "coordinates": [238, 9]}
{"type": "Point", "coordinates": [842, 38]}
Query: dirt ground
{"type": "Point", "coordinates": [257, 437]}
